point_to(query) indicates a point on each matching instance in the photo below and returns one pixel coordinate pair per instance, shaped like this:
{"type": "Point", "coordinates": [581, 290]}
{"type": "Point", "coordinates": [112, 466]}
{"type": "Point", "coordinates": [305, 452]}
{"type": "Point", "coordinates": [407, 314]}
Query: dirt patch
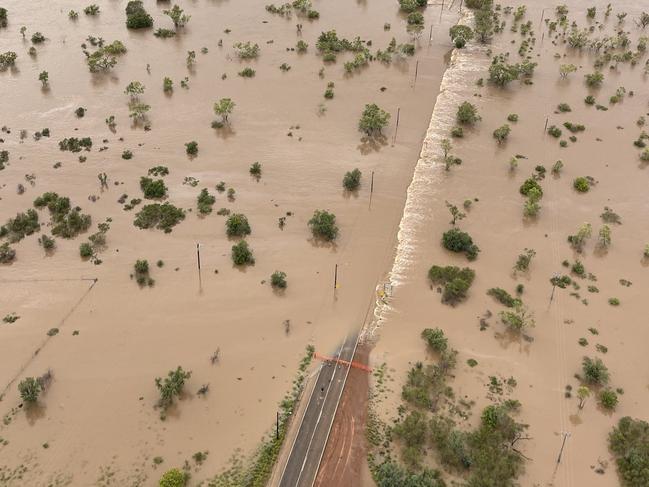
{"type": "Point", "coordinates": [345, 455]}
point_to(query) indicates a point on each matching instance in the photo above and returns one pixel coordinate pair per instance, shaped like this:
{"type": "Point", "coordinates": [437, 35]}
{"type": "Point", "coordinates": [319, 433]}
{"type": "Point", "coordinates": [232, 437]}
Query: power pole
{"type": "Point", "coordinates": [563, 444]}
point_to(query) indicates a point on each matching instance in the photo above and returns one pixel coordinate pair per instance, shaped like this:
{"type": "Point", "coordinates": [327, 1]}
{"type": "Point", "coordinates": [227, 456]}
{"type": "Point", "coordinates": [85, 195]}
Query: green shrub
{"type": "Point", "coordinates": [456, 240]}
{"type": "Point", "coordinates": [352, 180]}
{"type": "Point", "coordinates": [191, 148]}
{"type": "Point", "coordinates": [554, 131]}
{"type": "Point", "coordinates": [467, 114]}
{"type": "Point", "coordinates": [455, 281]}
{"type": "Point", "coordinates": [161, 216]}
{"type": "Point", "coordinates": [528, 184]}
{"type": "Point", "coordinates": [85, 250]}
{"type": "Point", "coordinates": [7, 254]}
{"type": "Point", "coordinates": [512, 117]}
{"type": "Point", "coordinates": [501, 133]}
{"type": "Point", "coordinates": [436, 339]}
{"type": "Point", "coordinates": [174, 478]}
{"type": "Point", "coordinates": [241, 254]}
{"type": "Point", "coordinates": [278, 280]}
{"type": "Point", "coordinates": [22, 225]}
{"type": "Point", "coordinates": [153, 188]}
{"type": "Point", "coordinates": [29, 389]}
{"type": "Point", "coordinates": [204, 202]}
{"type": "Point", "coordinates": [503, 297]}
{"type": "Point", "coordinates": [171, 386]}
{"type": "Point", "coordinates": [629, 443]}
{"type": "Point", "coordinates": [581, 184]}
{"type": "Point", "coordinates": [595, 372]}
{"type": "Point", "coordinates": [237, 225]}
{"type": "Point", "coordinates": [608, 399]}
{"type": "Point", "coordinates": [323, 225]}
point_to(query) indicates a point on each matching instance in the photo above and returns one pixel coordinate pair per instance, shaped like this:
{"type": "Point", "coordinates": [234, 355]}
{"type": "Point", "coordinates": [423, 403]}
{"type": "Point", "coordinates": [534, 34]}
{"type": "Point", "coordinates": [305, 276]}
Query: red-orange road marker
{"type": "Point", "coordinates": [356, 365]}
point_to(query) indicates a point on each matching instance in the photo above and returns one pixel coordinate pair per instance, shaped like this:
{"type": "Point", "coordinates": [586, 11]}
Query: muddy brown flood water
{"type": "Point", "coordinates": [544, 364]}
{"type": "Point", "coordinates": [98, 418]}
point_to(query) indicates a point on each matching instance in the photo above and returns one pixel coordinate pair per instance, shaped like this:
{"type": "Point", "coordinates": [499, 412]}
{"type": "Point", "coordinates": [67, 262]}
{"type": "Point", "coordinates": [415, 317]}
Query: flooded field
{"type": "Point", "coordinates": [104, 336]}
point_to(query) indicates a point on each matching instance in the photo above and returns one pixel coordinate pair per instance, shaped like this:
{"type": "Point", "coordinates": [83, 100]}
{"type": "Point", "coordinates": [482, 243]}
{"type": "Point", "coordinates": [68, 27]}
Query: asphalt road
{"type": "Point", "coordinates": [304, 459]}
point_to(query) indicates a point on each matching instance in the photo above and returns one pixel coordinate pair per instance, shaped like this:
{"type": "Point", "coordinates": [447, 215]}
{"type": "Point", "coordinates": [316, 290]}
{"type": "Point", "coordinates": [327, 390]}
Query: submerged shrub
{"type": "Point", "coordinates": [323, 225]}
{"type": "Point", "coordinates": [456, 240]}
{"type": "Point", "coordinates": [629, 443]}
{"type": "Point", "coordinates": [352, 180]}
{"type": "Point", "coordinates": [237, 225]}
{"type": "Point", "coordinates": [161, 216]}
{"type": "Point", "coordinates": [278, 280]}
{"type": "Point", "coordinates": [136, 16]}
{"type": "Point", "coordinates": [455, 281]}
{"type": "Point", "coordinates": [242, 254]}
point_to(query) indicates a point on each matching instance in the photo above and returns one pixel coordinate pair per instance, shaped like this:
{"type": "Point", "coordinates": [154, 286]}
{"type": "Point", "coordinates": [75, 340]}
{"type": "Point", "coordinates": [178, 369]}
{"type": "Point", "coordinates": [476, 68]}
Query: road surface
{"type": "Point", "coordinates": [307, 450]}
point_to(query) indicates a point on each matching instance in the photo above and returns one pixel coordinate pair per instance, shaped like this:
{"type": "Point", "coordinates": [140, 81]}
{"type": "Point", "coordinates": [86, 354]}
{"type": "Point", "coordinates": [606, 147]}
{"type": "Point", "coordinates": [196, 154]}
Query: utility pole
{"type": "Point", "coordinates": [563, 444]}
{"type": "Point", "coordinates": [336, 278]}
{"type": "Point", "coordinates": [416, 72]}
{"type": "Point", "coordinates": [372, 184]}
{"type": "Point", "coordinates": [546, 125]}
{"type": "Point", "coordinates": [396, 129]}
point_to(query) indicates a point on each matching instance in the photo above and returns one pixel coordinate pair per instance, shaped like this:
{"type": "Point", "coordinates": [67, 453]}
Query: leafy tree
{"type": "Point", "coordinates": [171, 386]}
{"type": "Point", "coordinates": [595, 372]}
{"type": "Point", "coordinates": [278, 280]}
{"type": "Point", "coordinates": [390, 474]}
{"type": "Point", "coordinates": [604, 237]}
{"type": "Point", "coordinates": [629, 443]}
{"type": "Point", "coordinates": [177, 16]}
{"type": "Point", "coordinates": [204, 202]}
{"type": "Point", "coordinates": [373, 120]}
{"type": "Point", "coordinates": [224, 108]}
{"type": "Point", "coordinates": [241, 254]}
{"type": "Point", "coordinates": [136, 16]}
{"type": "Point", "coordinates": [29, 389]}
{"type": "Point", "coordinates": [484, 23]}
{"type": "Point", "coordinates": [44, 78]}
{"type": "Point", "coordinates": [566, 69]}
{"type": "Point", "coordinates": [582, 393]}
{"type": "Point", "coordinates": [467, 114]}
{"type": "Point", "coordinates": [191, 148]}
{"type": "Point", "coordinates": [323, 225]}
{"type": "Point", "coordinates": [455, 212]}
{"type": "Point", "coordinates": [3, 17]}
{"type": "Point", "coordinates": [502, 73]}
{"type": "Point", "coordinates": [463, 32]}
{"type": "Point", "coordinates": [174, 478]}
{"type": "Point", "coordinates": [579, 239]}
{"type": "Point", "coordinates": [167, 85]}
{"type": "Point", "coordinates": [643, 21]}
{"type": "Point", "coordinates": [456, 240]}
{"type": "Point", "coordinates": [352, 180]}
{"type": "Point", "coordinates": [517, 319]}
{"type": "Point", "coordinates": [237, 225]}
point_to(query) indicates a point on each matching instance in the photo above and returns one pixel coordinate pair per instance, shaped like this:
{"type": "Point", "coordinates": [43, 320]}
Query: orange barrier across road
{"type": "Point", "coordinates": [356, 365]}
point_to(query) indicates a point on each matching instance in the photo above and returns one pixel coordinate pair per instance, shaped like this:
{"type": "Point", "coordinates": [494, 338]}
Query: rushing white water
{"type": "Point", "coordinates": [463, 65]}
